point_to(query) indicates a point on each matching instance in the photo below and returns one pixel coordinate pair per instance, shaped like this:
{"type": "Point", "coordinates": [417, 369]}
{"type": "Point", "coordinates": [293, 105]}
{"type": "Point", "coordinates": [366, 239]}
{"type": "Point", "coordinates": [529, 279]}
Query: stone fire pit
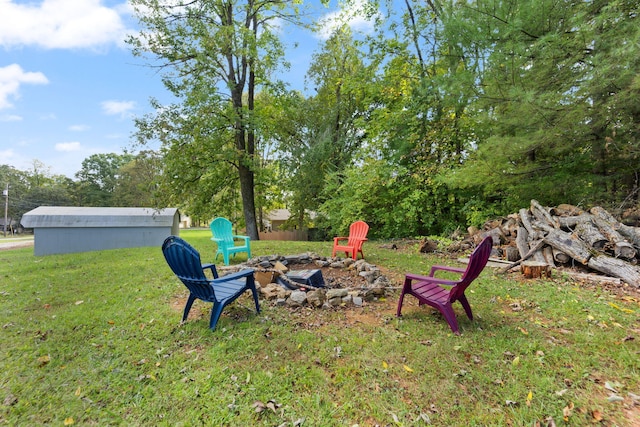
{"type": "Point", "coordinates": [347, 283]}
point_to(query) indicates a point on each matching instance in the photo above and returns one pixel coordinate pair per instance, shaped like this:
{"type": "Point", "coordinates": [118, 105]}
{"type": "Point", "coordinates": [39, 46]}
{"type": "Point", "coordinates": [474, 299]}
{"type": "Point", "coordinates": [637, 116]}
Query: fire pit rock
{"type": "Point", "coordinates": [347, 282]}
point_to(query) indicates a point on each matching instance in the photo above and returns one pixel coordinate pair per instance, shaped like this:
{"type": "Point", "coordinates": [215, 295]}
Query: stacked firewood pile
{"type": "Point", "coordinates": [592, 243]}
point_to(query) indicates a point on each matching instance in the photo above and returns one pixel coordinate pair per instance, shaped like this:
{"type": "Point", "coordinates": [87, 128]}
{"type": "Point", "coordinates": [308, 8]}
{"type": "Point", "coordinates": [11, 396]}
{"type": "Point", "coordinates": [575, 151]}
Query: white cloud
{"type": "Point", "coordinates": [10, 118]}
{"type": "Point", "coordinates": [7, 154]}
{"type": "Point", "coordinates": [11, 77]}
{"type": "Point", "coordinates": [60, 24]}
{"type": "Point", "coordinates": [68, 146]}
{"type": "Point", "coordinates": [117, 107]}
{"type": "Point", "coordinates": [354, 17]}
{"type": "Point", "coordinates": [79, 128]}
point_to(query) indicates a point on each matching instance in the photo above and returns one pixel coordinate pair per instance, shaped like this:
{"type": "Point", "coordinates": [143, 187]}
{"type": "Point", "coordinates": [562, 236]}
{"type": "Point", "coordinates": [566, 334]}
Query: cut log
{"type": "Point", "coordinates": [591, 278]}
{"type": "Point", "coordinates": [560, 257]}
{"type": "Point", "coordinates": [522, 241]}
{"type": "Point", "coordinates": [542, 214]}
{"type": "Point", "coordinates": [632, 234]}
{"type": "Point", "coordinates": [591, 234]}
{"type": "Point", "coordinates": [569, 244]}
{"type": "Point", "coordinates": [609, 226]}
{"type": "Point", "coordinates": [571, 221]}
{"type": "Point", "coordinates": [537, 255]}
{"type": "Point", "coordinates": [535, 270]}
{"type": "Point", "coordinates": [565, 210]}
{"type": "Point", "coordinates": [525, 257]}
{"type": "Point", "coordinates": [526, 223]}
{"type": "Point", "coordinates": [617, 268]}
{"type": "Point", "coordinates": [512, 254]}
{"type": "Point", "coordinates": [547, 253]}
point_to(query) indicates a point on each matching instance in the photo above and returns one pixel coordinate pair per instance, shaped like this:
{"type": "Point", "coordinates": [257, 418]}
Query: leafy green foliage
{"type": "Point", "coordinates": [98, 177]}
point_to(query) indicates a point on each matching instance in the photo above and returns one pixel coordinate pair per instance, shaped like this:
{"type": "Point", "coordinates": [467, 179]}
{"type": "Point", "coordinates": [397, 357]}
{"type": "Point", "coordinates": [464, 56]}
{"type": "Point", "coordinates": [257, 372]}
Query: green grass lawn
{"type": "Point", "coordinates": [95, 339]}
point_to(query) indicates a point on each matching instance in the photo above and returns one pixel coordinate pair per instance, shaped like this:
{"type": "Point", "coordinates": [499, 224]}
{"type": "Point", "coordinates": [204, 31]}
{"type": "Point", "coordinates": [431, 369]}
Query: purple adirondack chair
{"type": "Point", "coordinates": [430, 290]}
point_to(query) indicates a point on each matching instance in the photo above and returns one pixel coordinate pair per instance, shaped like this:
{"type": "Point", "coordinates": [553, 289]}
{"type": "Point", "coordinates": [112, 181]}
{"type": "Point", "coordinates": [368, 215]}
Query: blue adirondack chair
{"type": "Point", "coordinates": [184, 260]}
{"type": "Point", "coordinates": [222, 232]}
{"type": "Point", "coordinates": [442, 293]}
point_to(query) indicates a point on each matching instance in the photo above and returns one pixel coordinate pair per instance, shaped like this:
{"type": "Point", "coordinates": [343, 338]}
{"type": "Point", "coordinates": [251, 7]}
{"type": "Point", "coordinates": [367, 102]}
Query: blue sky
{"type": "Point", "coordinates": [70, 88]}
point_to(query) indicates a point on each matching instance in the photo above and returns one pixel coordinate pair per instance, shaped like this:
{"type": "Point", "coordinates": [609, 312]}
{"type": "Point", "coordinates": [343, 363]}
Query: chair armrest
{"type": "Point", "coordinates": [435, 268]}
{"type": "Point", "coordinates": [234, 276]}
{"type": "Point", "coordinates": [337, 239]}
{"type": "Point", "coordinates": [211, 267]}
{"type": "Point", "coordinates": [430, 279]}
{"type": "Point", "coordinates": [245, 238]}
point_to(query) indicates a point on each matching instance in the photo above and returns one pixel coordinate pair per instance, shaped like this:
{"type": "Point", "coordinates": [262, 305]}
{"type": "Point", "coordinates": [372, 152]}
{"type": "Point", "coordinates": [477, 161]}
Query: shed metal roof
{"type": "Point", "coordinates": [66, 216]}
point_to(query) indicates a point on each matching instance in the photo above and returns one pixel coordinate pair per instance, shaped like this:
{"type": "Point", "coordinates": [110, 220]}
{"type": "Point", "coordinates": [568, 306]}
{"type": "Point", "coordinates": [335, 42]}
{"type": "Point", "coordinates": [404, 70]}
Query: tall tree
{"type": "Point", "coordinates": [98, 178]}
{"type": "Point", "coordinates": [321, 134]}
{"type": "Point", "coordinates": [138, 180]}
{"type": "Point", "coordinates": [216, 54]}
{"type": "Point", "coordinates": [556, 92]}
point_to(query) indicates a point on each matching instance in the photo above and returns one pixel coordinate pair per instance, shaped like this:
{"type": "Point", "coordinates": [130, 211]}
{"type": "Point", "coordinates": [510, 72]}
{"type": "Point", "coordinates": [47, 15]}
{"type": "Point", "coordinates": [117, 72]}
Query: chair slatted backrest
{"type": "Point", "coordinates": [221, 228]}
{"type": "Point", "coordinates": [184, 261]}
{"type": "Point", "coordinates": [477, 262]}
{"type": "Point", "coordinates": [357, 233]}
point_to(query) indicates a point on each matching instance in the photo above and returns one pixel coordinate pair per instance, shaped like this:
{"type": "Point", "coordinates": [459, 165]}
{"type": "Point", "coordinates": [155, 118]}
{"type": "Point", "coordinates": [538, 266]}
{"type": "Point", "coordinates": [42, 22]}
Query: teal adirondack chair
{"type": "Point", "coordinates": [222, 231]}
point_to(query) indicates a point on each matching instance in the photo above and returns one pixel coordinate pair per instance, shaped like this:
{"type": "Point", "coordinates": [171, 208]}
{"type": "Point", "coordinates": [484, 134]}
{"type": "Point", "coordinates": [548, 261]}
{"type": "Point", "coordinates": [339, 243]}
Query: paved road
{"type": "Point", "coordinates": [15, 242]}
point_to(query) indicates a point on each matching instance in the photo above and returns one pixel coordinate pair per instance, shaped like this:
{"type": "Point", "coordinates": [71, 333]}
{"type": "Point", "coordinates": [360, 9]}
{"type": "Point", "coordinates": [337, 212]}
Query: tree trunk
{"type": "Point", "coordinates": [248, 201]}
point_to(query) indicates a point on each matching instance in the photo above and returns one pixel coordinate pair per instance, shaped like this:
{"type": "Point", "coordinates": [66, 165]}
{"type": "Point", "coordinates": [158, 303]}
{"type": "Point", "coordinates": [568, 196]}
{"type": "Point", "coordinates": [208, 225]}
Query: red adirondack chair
{"type": "Point", "coordinates": [357, 236]}
{"type": "Point", "coordinates": [442, 293]}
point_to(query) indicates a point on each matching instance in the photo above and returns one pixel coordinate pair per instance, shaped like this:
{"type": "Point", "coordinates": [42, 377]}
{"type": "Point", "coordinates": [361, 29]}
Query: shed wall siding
{"type": "Point", "coordinates": [49, 241]}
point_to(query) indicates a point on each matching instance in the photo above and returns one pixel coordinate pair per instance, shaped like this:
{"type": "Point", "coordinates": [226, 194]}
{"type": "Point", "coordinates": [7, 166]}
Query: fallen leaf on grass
{"type": "Point", "coordinates": [615, 398]}
{"type": "Point", "coordinates": [69, 421]}
{"type": "Point", "coordinates": [385, 365]}
{"type": "Point", "coordinates": [516, 361]}
{"type": "Point", "coordinates": [596, 415]}
{"type": "Point", "coordinates": [261, 407]}
{"type": "Point", "coordinates": [511, 403]}
{"type": "Point", "coordinates": [43, 360]}
{"type": "Point", "coordinates": [529, 398]}
{"type": "Point", "coordinates": [624, 310]}
{"type": "Point", "coordinates": [567, 411]}
{"type": "Point", "coordinates": [406, 368]}
{"type": "Point", "coordinates": [79, 302]}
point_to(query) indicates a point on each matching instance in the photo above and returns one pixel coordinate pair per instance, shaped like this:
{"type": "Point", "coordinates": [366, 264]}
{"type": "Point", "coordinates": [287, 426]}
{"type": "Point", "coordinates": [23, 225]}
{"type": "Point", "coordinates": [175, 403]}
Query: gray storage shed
{"type": "Point", "coordinates": [61, 230]}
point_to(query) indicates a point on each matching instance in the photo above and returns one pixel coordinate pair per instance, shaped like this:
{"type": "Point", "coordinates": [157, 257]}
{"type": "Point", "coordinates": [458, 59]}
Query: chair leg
{"type": "Point", "coordinates": [255, 298]}
{"type": "Point", "coordinates": [466, 306]}
{"type": "Point", "coordinates": [187, 307]}
{"type": "Point", "coordinates": [398, 311]}
{"type": "Point", "coordinates": [216, 311]}
{"type": "Point", "coordinates": [450, 316]}
{"type": "Point", "coordinates": [405, 288]}
{"type": "Point", "coordinates": [225, 257]}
